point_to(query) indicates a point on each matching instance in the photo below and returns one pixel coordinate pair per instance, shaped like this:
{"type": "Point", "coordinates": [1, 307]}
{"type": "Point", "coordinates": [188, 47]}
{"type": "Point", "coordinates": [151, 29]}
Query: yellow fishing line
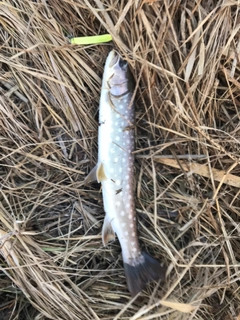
{"type": "Point", "coordinates": [91, 39]}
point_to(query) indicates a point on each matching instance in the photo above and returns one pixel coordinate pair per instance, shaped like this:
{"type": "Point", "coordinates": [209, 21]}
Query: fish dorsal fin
{"type": "Point", "coordinates": [107, 231]}
{"type": "Point", "coordinates": [96, 174]}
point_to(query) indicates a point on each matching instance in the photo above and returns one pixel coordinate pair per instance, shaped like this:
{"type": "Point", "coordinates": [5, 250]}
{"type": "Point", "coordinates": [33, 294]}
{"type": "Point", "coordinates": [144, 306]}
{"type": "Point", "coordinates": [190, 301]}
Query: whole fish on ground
{"type": "Point", "coordinates": [115, 171]}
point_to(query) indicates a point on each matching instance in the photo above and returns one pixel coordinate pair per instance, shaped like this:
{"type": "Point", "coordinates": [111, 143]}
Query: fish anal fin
{"type": "Point", "coordinates": [101, 176]}
{"type": "Point", "coordinates": [107, 231]}
{"type": "Point", "coordinates": [96, 174]}
{"type": "Point", "coordinates": [142, 270]}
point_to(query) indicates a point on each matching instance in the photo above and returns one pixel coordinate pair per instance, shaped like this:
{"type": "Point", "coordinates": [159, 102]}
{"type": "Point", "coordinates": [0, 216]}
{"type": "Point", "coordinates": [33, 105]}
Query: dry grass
{"type": "Point", "coordinates": [185, 56]}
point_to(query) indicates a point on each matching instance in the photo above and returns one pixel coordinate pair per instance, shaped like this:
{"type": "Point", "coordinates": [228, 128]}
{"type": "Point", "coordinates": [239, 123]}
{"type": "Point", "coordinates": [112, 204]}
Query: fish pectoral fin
{"type": "Point", "coordinates": [92, 176]}
{"type": "Point", "coordinates": [96, 174]}
{"type": "Point", "coordinates": [107, 231]}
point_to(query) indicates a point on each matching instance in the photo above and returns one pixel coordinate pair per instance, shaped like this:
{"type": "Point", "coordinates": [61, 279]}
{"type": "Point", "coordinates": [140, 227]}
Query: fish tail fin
{"type": "Point", "coordinates": [142, 270]}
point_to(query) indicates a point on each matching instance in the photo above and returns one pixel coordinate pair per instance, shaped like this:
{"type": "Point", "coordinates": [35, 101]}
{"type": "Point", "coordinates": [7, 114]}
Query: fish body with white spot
{"type": "Point", "coordinates": [115, 170]}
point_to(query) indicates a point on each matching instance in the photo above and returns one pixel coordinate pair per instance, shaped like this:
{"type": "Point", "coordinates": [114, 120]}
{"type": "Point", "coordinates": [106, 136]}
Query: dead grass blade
{"type": "Point", "coordinates": [182, 307]}
{"type": "Point", "coordinates": [203, 170]}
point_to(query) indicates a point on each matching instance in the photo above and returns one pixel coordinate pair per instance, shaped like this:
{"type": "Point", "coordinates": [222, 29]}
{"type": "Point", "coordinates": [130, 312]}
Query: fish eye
{"type": "Point", "coordinates": [123, 64]}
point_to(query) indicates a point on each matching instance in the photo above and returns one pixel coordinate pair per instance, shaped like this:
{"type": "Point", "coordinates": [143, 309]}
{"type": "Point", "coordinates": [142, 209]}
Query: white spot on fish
{"type": "Point", "coordinates": [127, 176]}
{"type": "Point", "coordinates": [118, 203]}
{"type": "Point", "coordinates": [134, 249]}
{"type": "Point", "coordinates": [133, 234]}
{"type": "Point", "coordinates": [128, 186]}
{"type": "Point", "coordinates": [128, 141]}
{"type": "Point", "coordinates": [129, 196]}
{"type": "Point", "coordinates": [118, 182]}
{"type": "Point", "coordinates": [126, 233]}
{"type": "Point", "coordinates": [131, 225]}
{"type": "Point", "coordinates": [117, 138]}
{"type": "Point", "coordinates": [120, 169]}
{"type": "Point", "coordinates": [112, 150]}
{"type": "Point", "coordinates": [121, 106]}
{"type": "Point", "coordinates": [117, 116]}
{"type": "Point", "coordinates": [130, 216]}
{"type": "Point", "coordinates": [119, 129]}
{"type": "Point", "coordinates": [133, 243]}
{"type": "Point", "coordinates": [127, 205]}
{"type": "Point", "coordinates": [123, 159]}
{"type": "Point", "coordinates": [115, 159]}
{"type": "Point", "coordinates": [123, 224]}
{"type": "Point", "coordinates": [122, 213]}
{"type": "Point", "coordinates": [111, 170]}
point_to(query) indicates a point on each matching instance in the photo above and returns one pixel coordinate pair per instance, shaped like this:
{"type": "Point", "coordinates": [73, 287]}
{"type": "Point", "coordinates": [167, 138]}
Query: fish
{"type": "Point", "coordinates": [115, 171]}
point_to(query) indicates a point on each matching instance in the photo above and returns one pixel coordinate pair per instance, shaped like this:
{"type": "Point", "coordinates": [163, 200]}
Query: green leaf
{"type": "Point", "coordinates": [91, 39]}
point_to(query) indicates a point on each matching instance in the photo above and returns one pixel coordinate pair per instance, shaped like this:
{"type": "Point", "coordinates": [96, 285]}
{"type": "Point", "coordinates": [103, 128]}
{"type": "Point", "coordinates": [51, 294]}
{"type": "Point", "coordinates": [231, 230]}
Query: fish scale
{"type": "Point", "coordinates": [115, 171]}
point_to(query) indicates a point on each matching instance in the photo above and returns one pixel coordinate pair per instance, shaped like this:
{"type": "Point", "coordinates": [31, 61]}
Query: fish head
{"type": "Point", "coordinates": [119, 79]}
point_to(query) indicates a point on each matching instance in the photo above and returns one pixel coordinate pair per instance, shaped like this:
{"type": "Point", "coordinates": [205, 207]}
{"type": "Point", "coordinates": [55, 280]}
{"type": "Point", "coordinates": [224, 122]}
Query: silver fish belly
{"type": "Point", "coordinates": [115, 171]}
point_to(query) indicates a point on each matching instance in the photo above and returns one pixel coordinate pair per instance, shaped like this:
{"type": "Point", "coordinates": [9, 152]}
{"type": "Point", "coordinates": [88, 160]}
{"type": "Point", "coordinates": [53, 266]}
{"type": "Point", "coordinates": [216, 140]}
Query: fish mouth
{"type": "Point", "coordinates": [115, 59]}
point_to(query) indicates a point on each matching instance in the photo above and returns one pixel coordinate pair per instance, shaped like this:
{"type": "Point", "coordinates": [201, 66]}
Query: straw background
{"type": "Point", "coordinates": [185, 58]}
